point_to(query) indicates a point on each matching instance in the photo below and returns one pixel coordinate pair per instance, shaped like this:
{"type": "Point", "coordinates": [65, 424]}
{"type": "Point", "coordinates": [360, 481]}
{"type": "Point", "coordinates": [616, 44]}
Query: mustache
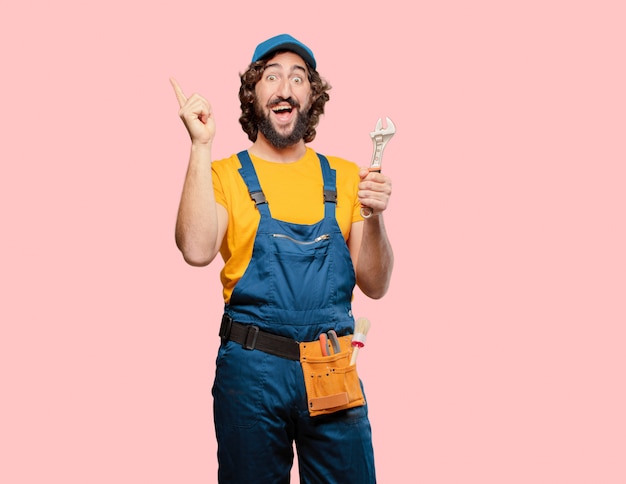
{"type": "Point", "coordinates": [291, 101]}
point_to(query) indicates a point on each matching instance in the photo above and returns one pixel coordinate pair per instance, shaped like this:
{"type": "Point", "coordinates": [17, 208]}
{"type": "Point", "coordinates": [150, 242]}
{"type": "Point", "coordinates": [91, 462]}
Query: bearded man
{"type": "Point", "coordinates": [287, 223]}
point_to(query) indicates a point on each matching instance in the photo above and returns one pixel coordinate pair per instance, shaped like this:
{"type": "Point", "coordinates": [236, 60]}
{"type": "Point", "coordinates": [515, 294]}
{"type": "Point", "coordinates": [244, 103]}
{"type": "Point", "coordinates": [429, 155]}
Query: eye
{"type": "Point", "coordinates": [298, 80]}
{"type": "Point", "coordinates": [271, 77]}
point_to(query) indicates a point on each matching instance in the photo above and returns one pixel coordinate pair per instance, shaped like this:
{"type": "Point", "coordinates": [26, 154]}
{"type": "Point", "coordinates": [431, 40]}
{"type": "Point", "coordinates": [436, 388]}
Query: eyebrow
{"type": "Point", "coordinates": [276, 64]}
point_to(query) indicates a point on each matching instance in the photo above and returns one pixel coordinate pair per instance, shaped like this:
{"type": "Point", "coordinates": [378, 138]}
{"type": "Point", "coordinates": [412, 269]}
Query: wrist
{"type": "Point", "coordinates": [201, 146]}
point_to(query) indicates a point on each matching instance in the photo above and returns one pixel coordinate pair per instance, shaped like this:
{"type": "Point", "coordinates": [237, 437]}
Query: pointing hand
{"type": "Point", "coordinates": [196, 114]}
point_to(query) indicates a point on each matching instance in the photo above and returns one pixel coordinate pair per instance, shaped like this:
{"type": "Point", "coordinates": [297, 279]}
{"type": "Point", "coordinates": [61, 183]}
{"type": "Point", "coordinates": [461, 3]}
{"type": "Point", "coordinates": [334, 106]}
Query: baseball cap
{"type": "Point", "coordinates": [284, 42]}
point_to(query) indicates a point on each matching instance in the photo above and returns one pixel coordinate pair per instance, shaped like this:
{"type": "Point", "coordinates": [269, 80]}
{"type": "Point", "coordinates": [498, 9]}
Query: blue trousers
{"type": "Point", "coordinates": [260, 410]}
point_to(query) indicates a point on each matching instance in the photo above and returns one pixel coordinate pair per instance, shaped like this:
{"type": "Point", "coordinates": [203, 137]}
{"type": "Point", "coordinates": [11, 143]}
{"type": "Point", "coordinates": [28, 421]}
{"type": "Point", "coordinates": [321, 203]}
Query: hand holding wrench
{"type": "Point", "coordinates": [380, 137]}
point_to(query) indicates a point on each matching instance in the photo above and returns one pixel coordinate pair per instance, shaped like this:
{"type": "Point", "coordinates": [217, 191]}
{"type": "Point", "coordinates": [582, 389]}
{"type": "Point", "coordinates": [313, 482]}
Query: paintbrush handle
{"type": "Point", "coordinates": [361, 328]}
{"type": "Point", "coordinates": [355, 353]}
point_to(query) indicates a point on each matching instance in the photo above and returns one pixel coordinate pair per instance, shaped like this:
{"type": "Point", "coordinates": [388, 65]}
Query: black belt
{"type": "Point", "coordinates": [253, 338]}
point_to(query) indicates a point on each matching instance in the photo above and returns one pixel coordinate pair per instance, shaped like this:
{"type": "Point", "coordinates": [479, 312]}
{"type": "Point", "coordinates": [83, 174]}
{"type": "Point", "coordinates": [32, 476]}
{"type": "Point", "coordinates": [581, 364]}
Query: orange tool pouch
{"type": "Point", "coordinates": [331, 383]}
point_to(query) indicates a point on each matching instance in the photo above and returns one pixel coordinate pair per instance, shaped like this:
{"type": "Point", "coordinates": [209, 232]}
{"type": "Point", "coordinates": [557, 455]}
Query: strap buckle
{"type": "Point", "coordinates": [252, 333]}
{"type": "Point", "coordinates": [225, 327]}
{"type": "Point", "coordinates": [258, 197]}
{"type": "Point", "coordinates": [330, 196]}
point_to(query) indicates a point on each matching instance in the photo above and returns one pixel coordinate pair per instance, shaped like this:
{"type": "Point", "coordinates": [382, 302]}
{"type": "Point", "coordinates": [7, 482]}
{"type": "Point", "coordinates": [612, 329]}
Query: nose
{"type": "Point", "coordinates": [284, 89]}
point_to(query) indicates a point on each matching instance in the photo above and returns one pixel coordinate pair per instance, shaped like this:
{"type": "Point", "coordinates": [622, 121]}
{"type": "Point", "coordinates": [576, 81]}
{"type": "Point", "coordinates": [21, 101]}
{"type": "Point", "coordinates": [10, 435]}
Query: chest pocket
{"type": "Point", "coordinates": [301, 269]}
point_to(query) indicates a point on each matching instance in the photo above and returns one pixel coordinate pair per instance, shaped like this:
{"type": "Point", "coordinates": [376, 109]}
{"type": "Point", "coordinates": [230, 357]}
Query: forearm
{"type": "Point", "coordinates": [375, 261]}
{"type": "Point", "coordinates": [196, 224]}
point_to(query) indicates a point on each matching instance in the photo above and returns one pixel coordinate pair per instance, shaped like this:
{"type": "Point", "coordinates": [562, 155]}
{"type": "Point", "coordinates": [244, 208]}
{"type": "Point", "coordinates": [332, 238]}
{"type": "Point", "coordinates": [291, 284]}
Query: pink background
{"type": "Point", "coordinates": [498, 354]}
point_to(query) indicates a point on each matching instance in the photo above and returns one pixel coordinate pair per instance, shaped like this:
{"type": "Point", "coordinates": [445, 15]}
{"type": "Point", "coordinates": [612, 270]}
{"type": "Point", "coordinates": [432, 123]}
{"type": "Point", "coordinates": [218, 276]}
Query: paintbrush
{"type": "Point", "coordinates": [361, 327]}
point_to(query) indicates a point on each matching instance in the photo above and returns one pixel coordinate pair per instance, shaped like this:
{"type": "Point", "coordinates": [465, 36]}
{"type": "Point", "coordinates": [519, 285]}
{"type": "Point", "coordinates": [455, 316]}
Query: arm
{"type": "Point", "coordinates": [369, 245]}
{"type": "Point", "coordinates": [201, 222]}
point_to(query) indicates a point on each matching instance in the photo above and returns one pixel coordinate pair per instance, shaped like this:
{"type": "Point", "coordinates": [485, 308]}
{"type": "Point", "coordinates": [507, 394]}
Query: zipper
{"type": "Point", "coordinates": [309, 242]}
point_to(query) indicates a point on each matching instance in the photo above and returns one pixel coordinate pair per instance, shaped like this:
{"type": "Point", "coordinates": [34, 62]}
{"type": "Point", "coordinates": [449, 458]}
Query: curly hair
{"type": "Point", "coordinates": [247, 96]}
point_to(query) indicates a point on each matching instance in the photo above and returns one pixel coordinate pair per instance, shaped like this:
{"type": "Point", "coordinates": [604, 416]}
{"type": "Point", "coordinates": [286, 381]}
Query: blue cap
{"type": "Point", "coordinates": [284, 42]}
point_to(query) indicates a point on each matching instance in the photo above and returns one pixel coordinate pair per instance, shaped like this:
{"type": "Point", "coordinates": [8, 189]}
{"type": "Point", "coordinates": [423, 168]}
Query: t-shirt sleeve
{"type": "Point", "coordinates": [218, 187]}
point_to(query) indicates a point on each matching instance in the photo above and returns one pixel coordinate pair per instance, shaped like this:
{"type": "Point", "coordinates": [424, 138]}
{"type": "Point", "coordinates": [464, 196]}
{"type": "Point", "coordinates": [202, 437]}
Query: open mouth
{"type": "Point", "coordinates": [282, 111]}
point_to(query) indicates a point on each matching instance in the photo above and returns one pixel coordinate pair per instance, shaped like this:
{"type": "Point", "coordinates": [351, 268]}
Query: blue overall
{"type": "Point", "coordinates": [298, 284]}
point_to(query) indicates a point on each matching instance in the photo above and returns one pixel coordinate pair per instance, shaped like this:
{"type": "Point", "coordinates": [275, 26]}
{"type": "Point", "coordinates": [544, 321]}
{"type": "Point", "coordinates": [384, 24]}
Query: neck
{"type": "Point", "coordinates": [265, 150]}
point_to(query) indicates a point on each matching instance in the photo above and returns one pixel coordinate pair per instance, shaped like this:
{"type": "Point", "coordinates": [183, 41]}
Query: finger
{"type": "Point", "coordinates": [199, 107]}
{"type": "Point", "coordinates": [372, 181]}
{"type": "Point", "coordinates": [369, 173]}
{"type": "Point", "coordinates": [180, 95]}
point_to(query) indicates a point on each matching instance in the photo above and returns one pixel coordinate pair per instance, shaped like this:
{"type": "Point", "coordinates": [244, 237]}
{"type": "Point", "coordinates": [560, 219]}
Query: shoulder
{"type": "Point", "coordinates": [226, 164]}
{"type": "Point", "coordinates": [226, 170]}
{"type": "Point", "coordinates": [347, 175]}
{"type": "Point", "coordinates": [341, 164]}
{"type": "Point", "coordinates": [343, 167]}
{"type": "Point", "coordinates": [227, 181]}
{"type": "Point", "coordinates": [347, 171]}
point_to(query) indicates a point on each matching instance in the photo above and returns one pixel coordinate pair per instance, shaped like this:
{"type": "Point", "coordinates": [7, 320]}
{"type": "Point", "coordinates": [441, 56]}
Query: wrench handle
{"type": "Point", "coordinates": [377, 155]}
{"type": "Point", "coordinates": [367, 212]}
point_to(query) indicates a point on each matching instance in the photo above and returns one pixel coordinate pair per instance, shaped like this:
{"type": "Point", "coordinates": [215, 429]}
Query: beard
{"type": "Point", "coordinates": [276, 139]}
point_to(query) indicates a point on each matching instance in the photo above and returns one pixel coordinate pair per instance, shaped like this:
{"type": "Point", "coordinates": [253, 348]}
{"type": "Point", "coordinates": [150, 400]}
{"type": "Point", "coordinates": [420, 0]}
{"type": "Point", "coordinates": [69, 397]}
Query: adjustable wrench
{"type": "Point", "coordinates": [380, 137]}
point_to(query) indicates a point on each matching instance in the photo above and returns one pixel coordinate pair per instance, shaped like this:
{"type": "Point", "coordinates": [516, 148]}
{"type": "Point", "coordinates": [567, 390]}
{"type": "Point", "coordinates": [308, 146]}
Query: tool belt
{"type": "Point", "coordinates": [331, 383]}
{"type": "Point", "coordinates": [251, 338]}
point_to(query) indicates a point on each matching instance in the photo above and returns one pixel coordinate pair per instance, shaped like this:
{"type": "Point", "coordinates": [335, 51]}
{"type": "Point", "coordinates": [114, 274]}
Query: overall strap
{"type": "Point", "coordinates": [248, 173]}
{"type": "Point", "coordinates": [330, 187]}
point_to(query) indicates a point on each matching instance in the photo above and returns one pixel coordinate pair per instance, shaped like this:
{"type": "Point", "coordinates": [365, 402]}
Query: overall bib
{"type": "Point", "coordinates": [298, 284]}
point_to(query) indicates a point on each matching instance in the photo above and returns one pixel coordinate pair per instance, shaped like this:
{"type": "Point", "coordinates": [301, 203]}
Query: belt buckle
{"type": "Point", "coordinates": [252, 333]}
{"type": "Point", "coordinates": [225, 327]}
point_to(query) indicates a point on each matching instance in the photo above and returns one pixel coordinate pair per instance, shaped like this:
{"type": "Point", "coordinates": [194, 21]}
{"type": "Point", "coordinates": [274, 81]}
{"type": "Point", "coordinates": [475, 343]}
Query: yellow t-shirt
{"type": "Point", "coordinates": [294, 192]}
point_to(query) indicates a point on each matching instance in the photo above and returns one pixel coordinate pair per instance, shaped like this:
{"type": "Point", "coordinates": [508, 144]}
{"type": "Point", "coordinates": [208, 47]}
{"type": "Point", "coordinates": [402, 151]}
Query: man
{"type": "Point", "coordinates": [286, 222]}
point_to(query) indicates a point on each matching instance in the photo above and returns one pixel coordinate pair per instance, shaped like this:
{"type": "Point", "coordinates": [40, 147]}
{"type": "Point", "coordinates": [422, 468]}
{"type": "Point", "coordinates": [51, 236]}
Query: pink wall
{"type": "Point", "coordinates": [498, 354]}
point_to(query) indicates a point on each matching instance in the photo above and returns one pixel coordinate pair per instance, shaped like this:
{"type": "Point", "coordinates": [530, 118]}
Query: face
{"type": "Point", "coordinates": [283, 97]}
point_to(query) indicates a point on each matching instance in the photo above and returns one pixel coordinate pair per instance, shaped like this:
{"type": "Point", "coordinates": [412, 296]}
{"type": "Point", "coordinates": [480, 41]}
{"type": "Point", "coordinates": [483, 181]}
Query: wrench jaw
{"type": "Point", "coordinates": [388, 131]}
{"type": "Point", "coordinates": [380, 137]}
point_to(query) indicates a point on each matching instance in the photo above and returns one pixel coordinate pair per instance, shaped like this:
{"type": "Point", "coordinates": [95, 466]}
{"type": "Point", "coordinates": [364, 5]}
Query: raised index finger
{"type": "Point", "coordinates": [180, 95]}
